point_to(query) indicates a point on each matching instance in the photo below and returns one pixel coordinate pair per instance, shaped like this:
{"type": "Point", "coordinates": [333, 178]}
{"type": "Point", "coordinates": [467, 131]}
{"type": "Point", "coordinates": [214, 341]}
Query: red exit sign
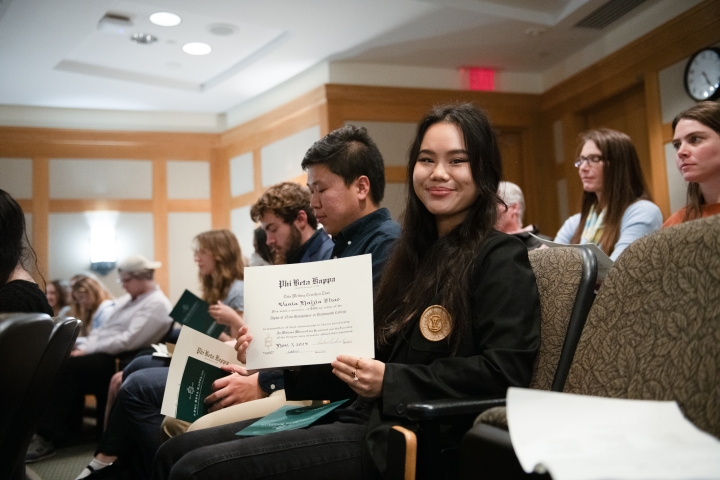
{"type": "Point", "coordinates": [482, 79]}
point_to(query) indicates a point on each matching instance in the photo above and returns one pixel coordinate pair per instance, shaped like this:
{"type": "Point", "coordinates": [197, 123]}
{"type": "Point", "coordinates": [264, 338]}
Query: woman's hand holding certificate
{"type": "Point", "coordinates": [363, 375]}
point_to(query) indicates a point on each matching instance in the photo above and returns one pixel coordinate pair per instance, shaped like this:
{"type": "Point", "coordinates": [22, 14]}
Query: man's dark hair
{"type": "Point", "coordinates": [349, 152]}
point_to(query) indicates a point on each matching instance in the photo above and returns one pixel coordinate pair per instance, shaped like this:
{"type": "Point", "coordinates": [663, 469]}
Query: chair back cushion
{"type": "Point", "coordinates": [23, 339]}
{"type": "Point", "coordinates": [654, 330]}
{"type": "Point", "coordinates": [558, 272]}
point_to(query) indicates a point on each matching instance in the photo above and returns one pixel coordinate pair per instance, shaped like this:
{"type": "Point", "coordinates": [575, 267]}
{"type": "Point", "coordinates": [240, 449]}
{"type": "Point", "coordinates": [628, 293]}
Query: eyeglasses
{"type": "Point", "coordinates": [124, 280]}
{"type": "Point", "coordinates": [590, 159]}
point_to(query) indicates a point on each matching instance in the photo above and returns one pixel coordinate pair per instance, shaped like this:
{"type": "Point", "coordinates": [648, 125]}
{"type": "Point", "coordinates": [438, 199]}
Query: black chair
{"type": "Point", "coordinates": [23, 339]}
{"type": "Point", "coordinates": [566, 279]}
{"type": "Point", "coordinates": [23, 424]}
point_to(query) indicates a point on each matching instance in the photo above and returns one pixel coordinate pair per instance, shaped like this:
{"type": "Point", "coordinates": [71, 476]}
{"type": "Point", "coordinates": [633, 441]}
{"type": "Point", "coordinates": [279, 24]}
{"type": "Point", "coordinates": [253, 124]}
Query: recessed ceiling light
{"type": "Point", "coordinates": [143, 38]}
{"type": "Point", "coordinates": [165, 19]}
{"type": "Point", "coordinates": [222, 29]}
{"type": "Point", "coordinates": [197, 48]}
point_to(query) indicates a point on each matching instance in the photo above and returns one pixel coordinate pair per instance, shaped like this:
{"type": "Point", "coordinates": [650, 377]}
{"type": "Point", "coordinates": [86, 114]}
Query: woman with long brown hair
{"type": "Point", "coordinates": [696, 138]}
{"type": "Point", "coordinates": [475, 282]}
{"type": "Point", "coordinates": [93, 304]}
{"type": "Point", "coordinates": [221, 271]}
{"type": "Point", "coordinates": [616, 206]}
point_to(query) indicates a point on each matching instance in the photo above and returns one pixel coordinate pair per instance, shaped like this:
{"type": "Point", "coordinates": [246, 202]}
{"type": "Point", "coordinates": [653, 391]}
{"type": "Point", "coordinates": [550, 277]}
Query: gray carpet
{"type": "Point", "coordinates": [65, 465]}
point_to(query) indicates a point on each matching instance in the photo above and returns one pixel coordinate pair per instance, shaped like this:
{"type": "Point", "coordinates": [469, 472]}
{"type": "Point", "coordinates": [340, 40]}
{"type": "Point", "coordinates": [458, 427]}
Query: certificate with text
{"type": "Point", "coordinates": [309, 313]}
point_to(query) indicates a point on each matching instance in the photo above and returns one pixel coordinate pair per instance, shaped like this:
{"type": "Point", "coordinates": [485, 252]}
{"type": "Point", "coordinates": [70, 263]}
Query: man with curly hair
{"type": "Point", "coordinates": [290, 225]}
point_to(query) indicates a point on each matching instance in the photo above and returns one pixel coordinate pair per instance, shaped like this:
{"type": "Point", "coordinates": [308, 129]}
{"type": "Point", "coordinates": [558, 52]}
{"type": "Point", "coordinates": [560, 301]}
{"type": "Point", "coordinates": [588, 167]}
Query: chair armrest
{"type": "Point", "coordinates": [437, 409]}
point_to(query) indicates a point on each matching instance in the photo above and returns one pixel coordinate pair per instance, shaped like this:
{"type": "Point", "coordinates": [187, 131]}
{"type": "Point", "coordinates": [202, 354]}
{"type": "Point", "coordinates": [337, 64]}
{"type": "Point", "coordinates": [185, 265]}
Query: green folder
{"type": "Point", "coordinates": [196, 384]}
{"type": "Point", "coordinates": [193, 312]}
{"type": "Point", "coordinates": [288, 418]}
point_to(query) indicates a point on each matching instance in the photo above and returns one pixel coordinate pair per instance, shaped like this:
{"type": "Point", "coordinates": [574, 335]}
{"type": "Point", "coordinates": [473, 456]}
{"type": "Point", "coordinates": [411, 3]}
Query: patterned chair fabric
{"type": "Point", "coordinates": [558, 294]}
{"type": "Point", "coordinates": [654, 330]}
{"type": "Point", "coordinates": [557, 298]}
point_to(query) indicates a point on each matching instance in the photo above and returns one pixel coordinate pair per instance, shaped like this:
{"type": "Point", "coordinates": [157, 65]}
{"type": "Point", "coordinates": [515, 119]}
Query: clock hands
{"type": "Point", "coordinates": [707, 79]}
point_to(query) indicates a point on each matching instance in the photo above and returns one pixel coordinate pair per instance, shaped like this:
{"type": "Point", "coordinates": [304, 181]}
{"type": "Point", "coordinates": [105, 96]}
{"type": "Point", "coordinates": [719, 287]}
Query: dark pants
{"type": "Point", "coordinates": [133, 430]}
{"type": "Point", "coordinates": [327, 451]}
{"type": "Point", "coordinates": [83, 375]}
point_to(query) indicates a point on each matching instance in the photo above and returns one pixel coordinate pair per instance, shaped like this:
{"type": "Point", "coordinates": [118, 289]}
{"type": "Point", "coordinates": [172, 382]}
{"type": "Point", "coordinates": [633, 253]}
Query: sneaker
{"type": "Point", "coordinates": [39, 449]}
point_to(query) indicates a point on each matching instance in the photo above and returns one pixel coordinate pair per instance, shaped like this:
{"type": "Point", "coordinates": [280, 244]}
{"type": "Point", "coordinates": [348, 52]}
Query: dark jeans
{"type": "Point", "coordinates": [83, 375]}
{"type": "Point", "coordinates": [133, 431]}
{"type": "Point", "coordinates": [326, 451]}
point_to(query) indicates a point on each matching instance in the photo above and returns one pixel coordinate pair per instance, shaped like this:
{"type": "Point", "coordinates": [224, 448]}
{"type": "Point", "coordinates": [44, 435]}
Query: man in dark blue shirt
{"type": "Point", "coordinates": [346, 177]}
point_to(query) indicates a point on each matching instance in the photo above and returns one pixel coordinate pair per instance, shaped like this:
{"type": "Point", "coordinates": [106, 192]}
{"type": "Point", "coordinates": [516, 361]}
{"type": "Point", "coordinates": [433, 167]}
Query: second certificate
{"type": "Point", "coordinates": [309, 313]}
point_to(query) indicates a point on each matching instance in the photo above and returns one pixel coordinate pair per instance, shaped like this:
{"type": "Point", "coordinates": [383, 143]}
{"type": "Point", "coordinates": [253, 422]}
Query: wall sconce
{"type": "Point", "coordinates": [103, 252]}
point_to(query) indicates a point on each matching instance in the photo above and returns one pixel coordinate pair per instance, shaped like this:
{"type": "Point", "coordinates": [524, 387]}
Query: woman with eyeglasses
{"type": "Point", "coordinates": [616, 206]}
{"type": "Point", "coordinates": [696, 138]}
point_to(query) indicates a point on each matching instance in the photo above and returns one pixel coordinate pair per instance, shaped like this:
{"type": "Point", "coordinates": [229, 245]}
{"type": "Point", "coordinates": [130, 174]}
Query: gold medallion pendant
{"type": "Point", "coordinates": [435, 323]}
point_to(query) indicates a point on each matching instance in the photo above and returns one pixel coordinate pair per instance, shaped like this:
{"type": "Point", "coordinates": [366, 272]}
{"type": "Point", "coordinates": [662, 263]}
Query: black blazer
{"type": "Point", "coordinates": [500, 352]}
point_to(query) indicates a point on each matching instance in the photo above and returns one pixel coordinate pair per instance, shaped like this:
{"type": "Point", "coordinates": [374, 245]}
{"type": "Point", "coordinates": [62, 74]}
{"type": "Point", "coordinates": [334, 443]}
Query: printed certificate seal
{"type": "Point", "coordinates": [435, 323]}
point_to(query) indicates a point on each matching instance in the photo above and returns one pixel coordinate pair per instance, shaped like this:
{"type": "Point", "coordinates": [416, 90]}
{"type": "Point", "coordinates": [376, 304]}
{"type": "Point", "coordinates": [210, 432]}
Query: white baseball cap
{"type": "Point", "coordinates": [137, 263]}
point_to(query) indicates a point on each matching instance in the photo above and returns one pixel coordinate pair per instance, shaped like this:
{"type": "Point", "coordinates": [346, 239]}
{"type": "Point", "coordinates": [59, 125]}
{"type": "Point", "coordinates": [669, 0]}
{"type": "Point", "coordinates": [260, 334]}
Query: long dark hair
{"type": "Point", "coordinates": [707, 113]}
{"type": "Point", "coordinates": [623, 184]}
{"type": "Point", "coordinates": [426, 269]}
{"type": "Point", "coordinates": [14, 244]}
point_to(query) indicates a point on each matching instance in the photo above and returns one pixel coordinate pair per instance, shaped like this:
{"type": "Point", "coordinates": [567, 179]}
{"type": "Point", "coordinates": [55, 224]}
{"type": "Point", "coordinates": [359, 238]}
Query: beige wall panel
{"type": "Point", "coordinates": [677, 186]}
{"type": "Point", "coordinates": [281, 160]}
{"type": "Point", "coordinates": [69, 243]}
{"type": "Point", "coordinates": [394, 199]}
{"type": "Point", "coordinates": [182, 228]}
{"type": "Point", "coordinates": [16, 177]}
{"type": "Point", "coordinates": [243, 227]}
{"type": "Point", "coordinates": [392, 138]}
{"type": "Point", "coordinates": [673, 97]}
{"type": "Point", "coordinates": [188, 180]}
{"type": "Point", "coordinates": [241, 174]}
{"type": "Point", "coordinates": [70, 178]}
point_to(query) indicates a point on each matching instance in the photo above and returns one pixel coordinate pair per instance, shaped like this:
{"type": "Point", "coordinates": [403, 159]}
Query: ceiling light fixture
{"type": "Point", "coordinates": [143, 38]}
{"type": "Point", "coordinates": [197, 48]}
{"type": "Point", "coordinates": [165, 19]}
{"type": "Point", "coordinates": [222, 29]}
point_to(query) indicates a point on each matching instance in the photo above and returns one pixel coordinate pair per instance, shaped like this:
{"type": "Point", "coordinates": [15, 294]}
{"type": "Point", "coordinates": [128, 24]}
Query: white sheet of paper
{"type": "Point", "coordinates": [584, 438]}
{"type": "Point", "coordinates": [603, 261]}
{"type": "Point", "coordinates": [192, 343]}
{"type": "Point", "coordinates": [309, 313]}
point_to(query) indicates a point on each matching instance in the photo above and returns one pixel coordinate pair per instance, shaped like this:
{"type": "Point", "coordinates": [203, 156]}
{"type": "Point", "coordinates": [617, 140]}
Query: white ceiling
{"type": "Point", "coordinates": [52, 53]}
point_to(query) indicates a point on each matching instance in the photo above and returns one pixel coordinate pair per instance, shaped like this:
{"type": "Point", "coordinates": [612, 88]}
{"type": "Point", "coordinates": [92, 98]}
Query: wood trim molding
{"type": "Point", "coordinates": [40, 211]}
{"type": "Point", "coordinates": [395, 104]}
{"type": "Point", "coordinates": [667, 132]}
{"type": "Point", "coordinates": [83, 205]}
{"type": "Point", "coordinates": [658, 172]}
{"type": "Point", "coordinates": [160, 222]}
{"type": "Point", "coordinates": [395, 174]}
{"type": "Point", "coordinates": [189, 205]}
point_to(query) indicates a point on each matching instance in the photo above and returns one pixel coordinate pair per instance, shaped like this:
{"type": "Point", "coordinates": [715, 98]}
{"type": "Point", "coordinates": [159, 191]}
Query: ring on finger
{"type": "Point", "coordinates": [357, 364]}
{"type": "Point", "coordinates": [355, 377]}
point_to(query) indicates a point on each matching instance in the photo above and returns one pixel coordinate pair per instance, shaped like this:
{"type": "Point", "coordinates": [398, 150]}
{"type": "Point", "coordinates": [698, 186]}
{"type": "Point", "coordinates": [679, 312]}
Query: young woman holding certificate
{"type": "Point", "coordinates": [457, 315]}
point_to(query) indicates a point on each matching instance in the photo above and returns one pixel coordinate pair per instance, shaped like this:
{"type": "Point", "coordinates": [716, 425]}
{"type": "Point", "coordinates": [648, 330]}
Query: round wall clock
{"type": "Point", "coordinates": [702, 75]}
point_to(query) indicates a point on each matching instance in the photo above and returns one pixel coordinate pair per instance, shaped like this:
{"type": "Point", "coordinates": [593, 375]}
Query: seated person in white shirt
{"type": "Point", "coordinates": [140, 319]}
